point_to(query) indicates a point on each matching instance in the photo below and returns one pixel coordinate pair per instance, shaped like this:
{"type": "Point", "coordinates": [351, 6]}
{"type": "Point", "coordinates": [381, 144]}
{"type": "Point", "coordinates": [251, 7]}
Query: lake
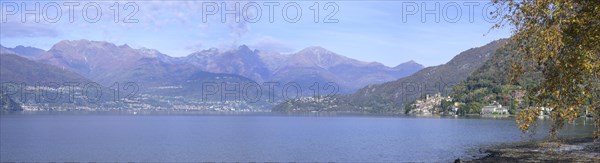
{"type": "Point", "coordinates": [104, 137]}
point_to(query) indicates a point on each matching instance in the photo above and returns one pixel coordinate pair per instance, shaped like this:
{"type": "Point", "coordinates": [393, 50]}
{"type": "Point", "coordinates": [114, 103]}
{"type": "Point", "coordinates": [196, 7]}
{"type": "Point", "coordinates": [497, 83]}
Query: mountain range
{"type": "Point", "coordinates": [314, 64]}
{"type": "Point", "coordinates": [390, 97]}
{"type": "Point", "coordinates": [107, 63]}
{"type": "Point", "coordinates": [27, 52]}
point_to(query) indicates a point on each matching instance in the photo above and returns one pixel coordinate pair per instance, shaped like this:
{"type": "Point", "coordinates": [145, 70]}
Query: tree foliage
{"type": "Point", "coordinates": [561, 39]}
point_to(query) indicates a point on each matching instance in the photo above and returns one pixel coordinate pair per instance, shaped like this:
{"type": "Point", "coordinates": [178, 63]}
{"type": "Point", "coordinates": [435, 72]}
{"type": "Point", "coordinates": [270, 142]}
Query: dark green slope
{"type": "Point", "coordinates": [491, 83]}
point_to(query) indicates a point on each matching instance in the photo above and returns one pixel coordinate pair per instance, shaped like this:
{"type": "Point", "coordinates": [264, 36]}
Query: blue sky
{"type": "Point", "coordinates": [389, 32]}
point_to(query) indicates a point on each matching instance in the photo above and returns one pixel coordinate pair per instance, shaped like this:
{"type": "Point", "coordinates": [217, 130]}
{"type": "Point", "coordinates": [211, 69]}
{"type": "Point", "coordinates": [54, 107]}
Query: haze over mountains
{"type": "Point", "coordinates": [107, 63]}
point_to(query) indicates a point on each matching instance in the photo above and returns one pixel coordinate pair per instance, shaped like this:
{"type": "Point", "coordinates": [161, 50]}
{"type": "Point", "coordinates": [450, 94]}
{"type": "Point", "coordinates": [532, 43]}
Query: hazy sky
{"type": "Point", "coordinates": [390, 32]}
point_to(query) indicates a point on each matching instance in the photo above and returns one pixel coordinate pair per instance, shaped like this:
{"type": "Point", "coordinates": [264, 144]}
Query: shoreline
{"type": "Point", "coordinates": [577, 149]}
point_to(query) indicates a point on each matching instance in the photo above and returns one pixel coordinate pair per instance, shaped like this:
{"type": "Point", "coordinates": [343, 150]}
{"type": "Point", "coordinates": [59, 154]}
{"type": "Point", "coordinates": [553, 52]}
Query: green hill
{"type": "Point", "coordinates": [491, 83]}
{"type": "Point", "coordinates": [391, 97]}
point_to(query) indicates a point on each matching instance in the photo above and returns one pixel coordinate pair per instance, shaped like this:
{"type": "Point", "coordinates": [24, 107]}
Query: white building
{"type": "Point", "coordinates": [495, 108]}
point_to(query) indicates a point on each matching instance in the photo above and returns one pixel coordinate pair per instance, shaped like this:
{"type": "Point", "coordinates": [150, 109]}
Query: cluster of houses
{"type": "Point", "coordinates": [430, 105]}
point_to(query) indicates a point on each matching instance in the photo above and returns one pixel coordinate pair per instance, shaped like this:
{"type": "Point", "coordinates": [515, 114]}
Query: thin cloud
{"type": "Point", "coordinates": [268, 43]}
{"type": "Point", "coordinates": [17, 29]}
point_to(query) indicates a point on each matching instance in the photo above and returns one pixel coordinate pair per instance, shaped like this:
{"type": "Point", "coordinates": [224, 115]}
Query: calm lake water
{"type": "Point", "coordinates": [105, 137]}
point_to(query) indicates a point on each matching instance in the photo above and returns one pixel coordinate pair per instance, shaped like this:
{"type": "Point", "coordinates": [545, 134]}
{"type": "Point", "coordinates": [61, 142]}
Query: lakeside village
{"type": "Point", "coordinates": [435, 104]}
{"type": "Point", "coordinates": [41, 98]}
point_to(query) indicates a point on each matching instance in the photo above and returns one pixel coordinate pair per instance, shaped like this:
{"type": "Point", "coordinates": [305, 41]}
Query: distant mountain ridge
{"type": "Point", "coordinates": [100, 61]}
{"type": "Point", "coordinates": [27, 52]}
{"type": "Point", "coordinates": [107, 63]}
{"type": "Point", "coordinates": [241, 61]}
{"type": "Point", "coordinates": [319, 64]}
